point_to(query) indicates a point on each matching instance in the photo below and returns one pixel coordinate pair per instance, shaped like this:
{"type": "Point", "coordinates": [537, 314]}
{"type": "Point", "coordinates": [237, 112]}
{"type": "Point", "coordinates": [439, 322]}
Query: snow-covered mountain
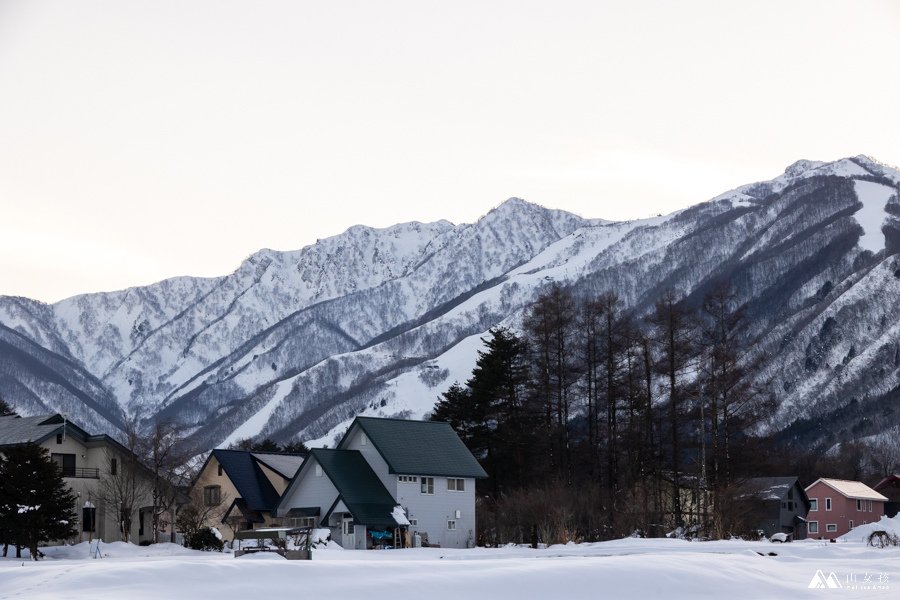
{"type": "Point", "coordinates": [294, 344]}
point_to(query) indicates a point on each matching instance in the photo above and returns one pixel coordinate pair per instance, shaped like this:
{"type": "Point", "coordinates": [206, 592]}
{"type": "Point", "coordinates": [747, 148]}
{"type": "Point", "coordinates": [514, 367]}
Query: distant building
{"type": "Point", "coordinates": [838, 505]}
{"type": "Point", "coordinates": [890, 488]}
{"type": "Point", "coordinates": [85, 461]}
{"type": "Point", "coordinates": [243, 487]}
{"type": "Point", "coordinates": [389, 482]}
{"type": "Point", "coordinates": [775, 505]}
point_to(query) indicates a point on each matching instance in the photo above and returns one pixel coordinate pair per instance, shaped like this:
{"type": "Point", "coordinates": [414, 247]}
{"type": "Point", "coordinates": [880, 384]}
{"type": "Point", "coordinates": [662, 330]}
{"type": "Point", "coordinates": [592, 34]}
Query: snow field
{"type": "Point", "coordinates": [630, 568]}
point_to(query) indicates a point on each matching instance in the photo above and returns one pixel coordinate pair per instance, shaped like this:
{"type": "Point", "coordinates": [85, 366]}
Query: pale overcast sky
{"type": "Point", "coordinates": [141, 140]}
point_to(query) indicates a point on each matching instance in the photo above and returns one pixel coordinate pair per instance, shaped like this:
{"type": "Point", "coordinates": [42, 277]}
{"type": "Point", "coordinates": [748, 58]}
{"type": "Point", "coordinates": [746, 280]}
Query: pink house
{"type": "Point", "coordinates": [838, 505]}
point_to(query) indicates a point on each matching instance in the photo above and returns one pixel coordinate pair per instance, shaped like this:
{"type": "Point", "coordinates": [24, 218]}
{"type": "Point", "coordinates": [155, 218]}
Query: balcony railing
{"type": "Point", "coordinates": [81, 473]}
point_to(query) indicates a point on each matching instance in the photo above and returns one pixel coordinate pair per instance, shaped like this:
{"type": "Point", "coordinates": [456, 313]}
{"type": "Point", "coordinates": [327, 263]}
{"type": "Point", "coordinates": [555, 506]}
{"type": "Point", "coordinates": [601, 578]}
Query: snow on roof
{"type": "Point", "coordinates": [400, 516]}
{"type": "Point", "coordinates": [285, 464]}
{"type": "Point", "coordinates": [851, 489]}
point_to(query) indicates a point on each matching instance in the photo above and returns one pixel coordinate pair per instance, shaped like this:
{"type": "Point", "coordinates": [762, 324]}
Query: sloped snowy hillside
{"type": "Point", "coordinates": [294, 344]}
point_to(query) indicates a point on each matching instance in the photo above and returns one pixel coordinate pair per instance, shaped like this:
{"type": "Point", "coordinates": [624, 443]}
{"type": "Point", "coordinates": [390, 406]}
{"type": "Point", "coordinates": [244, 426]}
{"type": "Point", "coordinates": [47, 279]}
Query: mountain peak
{"type": "Point", "coordinates": [802, 166]}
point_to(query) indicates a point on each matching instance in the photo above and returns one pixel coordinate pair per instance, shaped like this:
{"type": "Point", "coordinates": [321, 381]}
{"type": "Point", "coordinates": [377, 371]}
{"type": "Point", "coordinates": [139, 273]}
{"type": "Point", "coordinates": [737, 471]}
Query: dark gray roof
{"type": "Point", "coordinates": [17, 430]}
{"type": "Point", "coordinates": [358, 485]}
{"type": "Point", "coordinates": [419, 447]}
{"type": "Point", "coordinates": [285, 465]}
{"type": "Point", "coordinates": [21, 430]}
{"type": "Point", "coordinates": [247, 476]}
{"type": "Point", "coordinates": [771, 489]}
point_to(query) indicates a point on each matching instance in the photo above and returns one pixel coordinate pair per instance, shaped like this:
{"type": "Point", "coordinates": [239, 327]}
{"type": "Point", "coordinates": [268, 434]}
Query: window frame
{"type": "Point", "coordinates": [451, 524]}
{"type": "Point", "coordinates": [426, 487]}
{"type": "Point", "coordinates": [830, 527]}
{"type": "Point", "coordinates": [302, 522]}
{"type": "Point", "coordinates": [459, 484]}
{"type": "Point", "coordinates": [813, 527]}
{"type": "Point", "coordinates": [212, 495]}
{"type": "Point", "coordinates": [827, 504]}
{"type": "Point", "coordinates": [813, 505]}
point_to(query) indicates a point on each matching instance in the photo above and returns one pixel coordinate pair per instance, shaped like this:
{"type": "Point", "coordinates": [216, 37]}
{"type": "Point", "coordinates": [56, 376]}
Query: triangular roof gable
{"type": "Point", "coordinates": [778, 486]}
{"type": "Point", "coordinates": [285, 465]}
{"type": "Point", "coordinates": [855, 490]}
{"type": "Point", "coordinates": [887, 482]}
{"type": "Point", "coordinates": [247, 477]}
{"type": "Point", "coordinates": [358, 486]}
{"type": "Point", "coordinates": [15, 430]}
{"type": "Point", "coordinates": [417, 447]}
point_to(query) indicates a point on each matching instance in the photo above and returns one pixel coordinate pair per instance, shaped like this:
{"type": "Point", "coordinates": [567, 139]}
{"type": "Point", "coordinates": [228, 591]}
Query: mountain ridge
{"type": "Point", "coordinates": [297, 342]}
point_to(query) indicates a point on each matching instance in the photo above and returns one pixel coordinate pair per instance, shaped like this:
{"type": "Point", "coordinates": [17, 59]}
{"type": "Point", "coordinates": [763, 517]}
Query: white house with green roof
{"type": "Point", "coordinates": [422, 467]}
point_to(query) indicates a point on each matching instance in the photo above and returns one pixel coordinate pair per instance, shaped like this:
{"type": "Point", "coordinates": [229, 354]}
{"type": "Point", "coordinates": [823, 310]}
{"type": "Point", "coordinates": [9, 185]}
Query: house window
{"type": "Point", "coordinates": [113, 466]}
{"type": "Point", "coordinates": [827, 503]}
{"type": "Point", "coordinates": [347, 528]}
{"type": "Point", "coordinates": [413, 522]}
{"type": "Point", "coordinates": [212, 495]}
{"type": "Point", "coordinates": [302, 522]}
{"type": "Point", "coordinates": [363, 440]}
{"type": "Point", "coordinates": [408, 479]}
{"type": "Point", "coordinates": [851, 523]}
{"type": "Point", "coordinates": [318, 470]}
{"type": "Point", "coordinates": [428, 485]}
{"type": "Point", "coordinates": [66, 463]}
{"type": "Point", "coordinates": [790, 506]}
{"type": "Point", "coordinates": [59, 438]}
{"type": "Point", "coordinates": [870, 506]}
{"type": "Point", "coordinates": [220, 470]}
{"type": "Point", "coordinates": [814, 527]}
{"type": "Point", "coordinates": [456, 485]}
{"type": "Point", "coordinates": [859, 506]}
{"type": "Point", "coordinates": [831, 527]}
{"type": "Point", "coordinates": [451, 525]}
{"type": "Point", "coordinates": [813, 504]}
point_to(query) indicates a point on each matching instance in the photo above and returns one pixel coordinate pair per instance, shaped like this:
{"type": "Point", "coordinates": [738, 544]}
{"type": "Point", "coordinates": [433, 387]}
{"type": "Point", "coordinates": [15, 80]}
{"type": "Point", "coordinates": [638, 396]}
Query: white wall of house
{"type": "Point", "coordinates": [432, 514]}
{"type": "Point", "coordinates": [91, 466]}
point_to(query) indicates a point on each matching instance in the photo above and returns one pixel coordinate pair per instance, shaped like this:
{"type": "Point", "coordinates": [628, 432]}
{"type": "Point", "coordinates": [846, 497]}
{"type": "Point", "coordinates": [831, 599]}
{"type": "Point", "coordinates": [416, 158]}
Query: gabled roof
{"type": "Point", "coordinates": [22, 430]}
{"type": "Point", "coordinates": [15, 430]}
{"type": "Point", "coordinates": [358, 486]}
{"type": "Point", "coordinates": [247, 476]}
{"type": "Point", "coordinates": [851, 489]}
{"type": "Point", "coordinates": [285, 465]}
{"type": "Point", "coordinates": [249, 515]}
{"type": "Point", "coordinates": [418, 447]}
{"type": "Point", "coordinates": [890, 480]}
{"type": "Point", "coordinates": [772, 489]}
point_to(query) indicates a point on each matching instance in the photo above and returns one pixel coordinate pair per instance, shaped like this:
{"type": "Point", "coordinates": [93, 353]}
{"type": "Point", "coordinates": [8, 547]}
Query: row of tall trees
{"type": "Point", "coordinates": [646, 415]}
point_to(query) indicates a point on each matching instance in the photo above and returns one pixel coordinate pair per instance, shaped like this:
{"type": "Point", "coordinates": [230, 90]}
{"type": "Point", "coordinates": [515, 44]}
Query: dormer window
{"type": "Point", "coordinates": [59, 438]}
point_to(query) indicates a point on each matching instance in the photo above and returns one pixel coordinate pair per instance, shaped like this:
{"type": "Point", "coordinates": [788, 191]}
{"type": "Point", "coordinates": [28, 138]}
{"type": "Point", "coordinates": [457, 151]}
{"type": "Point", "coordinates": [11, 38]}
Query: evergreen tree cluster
{"type": "Point", "coordinates": [596, 422]}
{"type": "Point", "coordinates": [36, 506]}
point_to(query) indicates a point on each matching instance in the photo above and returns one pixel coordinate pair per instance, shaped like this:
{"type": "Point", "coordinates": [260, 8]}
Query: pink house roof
{"type": "Point", "coordinates": [890, 479]}
{"type": "Point", "coordinates": [851, 489]}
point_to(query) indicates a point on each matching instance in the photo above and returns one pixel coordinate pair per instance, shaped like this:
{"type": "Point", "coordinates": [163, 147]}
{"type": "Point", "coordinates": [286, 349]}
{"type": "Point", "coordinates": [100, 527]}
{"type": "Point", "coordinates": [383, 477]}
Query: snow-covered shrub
{"type": "Point", "coordinates": [883, 539]}
{"type": "Point", "coordinates": [204, 539]}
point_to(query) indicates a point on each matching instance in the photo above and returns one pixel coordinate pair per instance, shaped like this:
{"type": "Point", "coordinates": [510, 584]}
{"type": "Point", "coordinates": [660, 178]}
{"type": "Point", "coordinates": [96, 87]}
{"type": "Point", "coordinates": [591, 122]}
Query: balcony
{"type": "Point", "coordinates": [81, 473]}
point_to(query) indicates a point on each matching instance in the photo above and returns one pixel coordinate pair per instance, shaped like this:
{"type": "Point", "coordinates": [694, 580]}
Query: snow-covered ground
{"type": "Point", "coordinates": [629, 568]}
